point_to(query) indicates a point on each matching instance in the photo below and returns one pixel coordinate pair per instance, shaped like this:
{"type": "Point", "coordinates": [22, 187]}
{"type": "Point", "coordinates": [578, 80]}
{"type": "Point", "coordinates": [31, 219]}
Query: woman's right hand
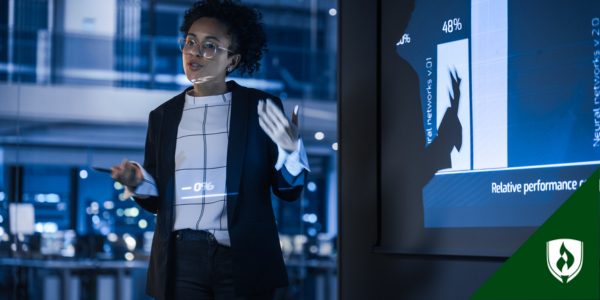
{"type": "Point", "coordinates": [127, 173]}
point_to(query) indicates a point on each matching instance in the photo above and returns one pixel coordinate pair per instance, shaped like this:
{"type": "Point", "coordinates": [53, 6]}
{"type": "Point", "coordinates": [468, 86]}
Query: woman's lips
{"type": "Point", "coordinates": [193, 67]}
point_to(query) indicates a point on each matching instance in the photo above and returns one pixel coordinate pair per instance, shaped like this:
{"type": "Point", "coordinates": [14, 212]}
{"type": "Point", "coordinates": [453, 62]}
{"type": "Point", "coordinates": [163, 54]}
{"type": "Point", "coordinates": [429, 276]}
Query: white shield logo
{"type": "Point", "coordinates": [564, 258]}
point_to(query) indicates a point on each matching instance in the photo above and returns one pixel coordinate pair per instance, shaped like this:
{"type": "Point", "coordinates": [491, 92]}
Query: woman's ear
{"type": "Point", "coordinates": [234, 60]}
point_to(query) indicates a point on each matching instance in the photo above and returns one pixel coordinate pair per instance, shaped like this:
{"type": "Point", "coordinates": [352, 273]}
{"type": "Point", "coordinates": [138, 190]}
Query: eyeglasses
{"type": "Point", "coordinates": [207, 49]}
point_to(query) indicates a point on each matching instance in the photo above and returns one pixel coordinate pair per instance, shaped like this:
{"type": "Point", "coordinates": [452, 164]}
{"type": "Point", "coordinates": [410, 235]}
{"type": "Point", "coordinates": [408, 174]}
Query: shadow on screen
{"type": "Point", "coordinates": [408, 163]}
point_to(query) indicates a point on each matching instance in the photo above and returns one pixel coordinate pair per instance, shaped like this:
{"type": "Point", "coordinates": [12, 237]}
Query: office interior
{"type": "Point", "coordinates": [77, 81]}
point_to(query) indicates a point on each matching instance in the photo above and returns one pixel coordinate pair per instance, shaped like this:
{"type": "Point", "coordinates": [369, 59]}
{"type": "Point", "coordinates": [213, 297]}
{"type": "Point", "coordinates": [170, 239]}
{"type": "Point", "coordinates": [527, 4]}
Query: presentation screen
{"type": "Point", "coordinates": [490, 120]}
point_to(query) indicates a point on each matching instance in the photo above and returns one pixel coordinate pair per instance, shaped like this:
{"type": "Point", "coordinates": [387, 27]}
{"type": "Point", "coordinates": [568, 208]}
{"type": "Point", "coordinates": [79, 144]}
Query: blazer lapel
{"type": "Point", "coordinates": [170, 124]}
{"type": "Point", "coordinates": [236, 148]}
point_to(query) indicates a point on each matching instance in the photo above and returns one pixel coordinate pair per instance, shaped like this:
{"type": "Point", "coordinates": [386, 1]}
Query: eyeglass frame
{"type": "Point", "coordinates": [199, 43]}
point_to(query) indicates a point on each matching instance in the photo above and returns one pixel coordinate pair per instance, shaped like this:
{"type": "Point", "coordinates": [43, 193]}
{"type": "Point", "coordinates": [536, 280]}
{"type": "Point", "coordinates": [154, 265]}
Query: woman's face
{"type": "Point", "coordinates": [200, 69]}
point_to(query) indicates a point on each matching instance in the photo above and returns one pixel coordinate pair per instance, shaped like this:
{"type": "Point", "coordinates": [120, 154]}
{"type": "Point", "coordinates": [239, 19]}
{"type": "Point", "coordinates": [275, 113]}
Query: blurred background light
{"type": "Point", "coordinates": [129, 256]}
{"type": "Point", "coordinates": [50, 227]}
{"type": "Point", "coordinates": [311, 186]}
{"type": "Point", "coordinates": [134, 211]}
{"type": "Point", "coordinates": [109, 204]}
{"type": "Point", "coordinates": [143, 223]}
{"type": "Point", "coordinates": [130, 241]}
{"type": "Point", "coordinates": [112, 237]}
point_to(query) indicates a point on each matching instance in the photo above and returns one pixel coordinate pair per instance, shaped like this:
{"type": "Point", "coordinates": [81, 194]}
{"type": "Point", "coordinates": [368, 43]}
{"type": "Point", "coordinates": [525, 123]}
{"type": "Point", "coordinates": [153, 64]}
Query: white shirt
{"type": "Point", "coordinates": [201, 164]}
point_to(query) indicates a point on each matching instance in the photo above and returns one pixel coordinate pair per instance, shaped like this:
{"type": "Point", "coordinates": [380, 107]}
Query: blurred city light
{"type": "Point", "coordinates": [130, 241]}
{"type": "Point", "coordinates": [109, 204]}
{"type": "Point", "coordinates": [118, 186]}
{"type": "Point", "coordinates": [129, 256]}
{"type": "Point", "coordinates": [134, 211]}
{"type": "Point", "coordinates": [143, 223]}
{"type": "Point", "coordinates": [52, 198]}
{"type": "Point", "coordinates": [311, 186]}
{"type": "Point", "coordinates": [309, 218]}
{"type": "Point", "coordinates": [50, 227]}
{"type": "Point", "coordinates": [112, 237]}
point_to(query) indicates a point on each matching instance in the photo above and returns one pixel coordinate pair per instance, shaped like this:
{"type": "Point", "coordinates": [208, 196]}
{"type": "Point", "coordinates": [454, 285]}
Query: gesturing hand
{"type": "Point", "coordinates": [456, 89]}
{"type": "Point", "coordinates": [275, 124]}
{"type": "Point", "coordinates": [127, 173]}
{"type": "Point", "coordinates": [454, 102]}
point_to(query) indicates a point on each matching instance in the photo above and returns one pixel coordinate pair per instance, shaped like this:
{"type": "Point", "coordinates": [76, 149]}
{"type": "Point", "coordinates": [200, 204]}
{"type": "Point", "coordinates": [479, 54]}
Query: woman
{"type": "Point", "coordinates": [212, 154]}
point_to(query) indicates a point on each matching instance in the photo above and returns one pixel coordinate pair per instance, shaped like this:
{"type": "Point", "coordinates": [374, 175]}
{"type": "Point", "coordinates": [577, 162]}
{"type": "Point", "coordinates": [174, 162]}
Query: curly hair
{"type": "Point", "coordinates": [244, 27]}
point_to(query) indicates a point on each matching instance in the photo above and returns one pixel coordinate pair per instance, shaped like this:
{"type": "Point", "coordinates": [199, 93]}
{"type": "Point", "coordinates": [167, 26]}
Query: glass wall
{"type": "Point", "coordinates": [77, 81]}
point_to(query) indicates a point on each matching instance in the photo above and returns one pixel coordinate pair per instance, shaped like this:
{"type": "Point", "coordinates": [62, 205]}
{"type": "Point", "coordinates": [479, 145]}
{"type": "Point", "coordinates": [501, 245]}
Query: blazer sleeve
{"type": "Point", "coordinates": [150, 203]}
{"type": "Point", "coordinates": [285, 185]}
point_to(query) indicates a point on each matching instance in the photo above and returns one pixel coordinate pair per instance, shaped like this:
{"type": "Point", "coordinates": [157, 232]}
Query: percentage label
{"type": "Point", "coordinates": [203, 185]}
{"type": "Point", "coordinates": [451, 25]}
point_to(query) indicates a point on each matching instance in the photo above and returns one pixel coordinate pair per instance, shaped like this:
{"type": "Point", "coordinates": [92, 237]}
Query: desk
{"type": "Point", "coordinates": [65, 267]}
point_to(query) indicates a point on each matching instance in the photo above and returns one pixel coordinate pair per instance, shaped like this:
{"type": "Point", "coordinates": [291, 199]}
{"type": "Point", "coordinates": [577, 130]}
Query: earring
{"type": "Point", "coordinates": [228, 69]}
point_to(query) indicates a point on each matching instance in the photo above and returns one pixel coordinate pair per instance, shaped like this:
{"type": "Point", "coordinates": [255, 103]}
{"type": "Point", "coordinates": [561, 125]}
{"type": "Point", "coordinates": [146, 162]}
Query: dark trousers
{"type": "Point", "coordinates": [202, 269]}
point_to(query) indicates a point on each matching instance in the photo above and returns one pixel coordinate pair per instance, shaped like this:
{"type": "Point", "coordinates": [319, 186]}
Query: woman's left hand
{"type": "Point", "coordinates": [272, 120]}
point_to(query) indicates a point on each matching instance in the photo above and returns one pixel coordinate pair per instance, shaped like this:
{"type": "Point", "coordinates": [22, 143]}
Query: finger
{"type": "Point", "coordinates": [292, 134]}
{"type": "Point", "coordinates": [116, 169]}
{"type": "Point", "coordinates": [262, 109]}
{"type": "Point", "coordinates": [262, 113]}
{"type": "Point", "coordinates": [265, 127]}
{"type": "Point", "coordinates": [264, 124]}
{"type": "Point", "coordinates": [261, 106]}
{"type": "Point", "coordinates": [272, 121]}
{"type": "Point", "coordinates": [276, 113]}
{"type": "Point", "coordinates": [295, 116]}
{"type": "Point", "coordinates": [116, 176]}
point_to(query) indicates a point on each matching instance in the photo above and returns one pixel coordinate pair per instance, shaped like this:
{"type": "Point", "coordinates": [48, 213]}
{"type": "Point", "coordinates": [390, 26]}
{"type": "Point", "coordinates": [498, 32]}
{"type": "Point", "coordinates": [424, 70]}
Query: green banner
{"type": "Point", "coordinates": [560, 260]}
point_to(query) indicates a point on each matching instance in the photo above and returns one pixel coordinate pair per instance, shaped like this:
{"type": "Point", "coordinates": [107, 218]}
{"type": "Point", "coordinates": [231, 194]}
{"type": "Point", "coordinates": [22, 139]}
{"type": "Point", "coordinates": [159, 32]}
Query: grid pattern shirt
{"type": "Point", "coordinates": [201, 164]}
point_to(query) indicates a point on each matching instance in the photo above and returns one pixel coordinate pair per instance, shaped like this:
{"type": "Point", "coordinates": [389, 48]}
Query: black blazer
{"type": "Point", "coordinates": [251, 156]}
